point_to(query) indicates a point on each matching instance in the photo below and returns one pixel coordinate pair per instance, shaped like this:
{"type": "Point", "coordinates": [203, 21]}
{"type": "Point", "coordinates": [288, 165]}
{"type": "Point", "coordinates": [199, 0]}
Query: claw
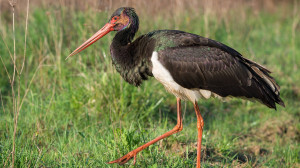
{"type": "Point", "coordinates": [124, 159]}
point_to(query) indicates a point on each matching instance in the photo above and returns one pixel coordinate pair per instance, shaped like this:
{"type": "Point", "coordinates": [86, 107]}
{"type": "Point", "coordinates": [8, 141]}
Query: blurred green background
{"type": "Point", "coordinates": [80, 113]}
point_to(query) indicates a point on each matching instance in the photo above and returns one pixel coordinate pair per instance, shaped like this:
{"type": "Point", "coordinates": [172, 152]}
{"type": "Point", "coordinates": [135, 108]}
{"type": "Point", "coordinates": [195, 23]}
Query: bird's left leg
{"type": "Point", "coordinates": [132, 154]}
{"type": "Point", "coordinates": [200, 124]}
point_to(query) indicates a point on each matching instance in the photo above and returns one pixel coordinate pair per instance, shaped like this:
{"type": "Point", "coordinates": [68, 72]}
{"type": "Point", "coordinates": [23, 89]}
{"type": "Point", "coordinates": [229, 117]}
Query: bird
{"type": "Point", "coordinates": [189, 66]}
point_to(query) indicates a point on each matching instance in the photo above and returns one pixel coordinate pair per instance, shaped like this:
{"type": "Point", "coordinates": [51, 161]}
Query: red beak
{"type": "Point", "coordinates": [108, 27]}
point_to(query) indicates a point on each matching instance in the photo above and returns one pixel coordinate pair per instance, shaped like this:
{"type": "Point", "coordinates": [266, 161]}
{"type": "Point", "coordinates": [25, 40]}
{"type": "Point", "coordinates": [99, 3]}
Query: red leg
{"type": "Point", "coordinates": [200, 124]}
{"type": "Point", "coordinates": [133, 153]}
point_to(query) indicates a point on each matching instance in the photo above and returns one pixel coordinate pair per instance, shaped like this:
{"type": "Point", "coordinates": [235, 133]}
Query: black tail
{"type": "Point", "coordinates": [266, 84]}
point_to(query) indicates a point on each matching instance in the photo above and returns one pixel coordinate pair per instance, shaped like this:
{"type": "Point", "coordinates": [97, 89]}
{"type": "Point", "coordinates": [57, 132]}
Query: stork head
{"type": "Point", "coordinates": [123, 18]}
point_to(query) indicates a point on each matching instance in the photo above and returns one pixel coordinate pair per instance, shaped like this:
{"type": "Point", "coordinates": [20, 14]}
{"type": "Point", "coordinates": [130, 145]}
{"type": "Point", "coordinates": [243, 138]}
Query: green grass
{"type": "Point", "coordinates": [80, 113]}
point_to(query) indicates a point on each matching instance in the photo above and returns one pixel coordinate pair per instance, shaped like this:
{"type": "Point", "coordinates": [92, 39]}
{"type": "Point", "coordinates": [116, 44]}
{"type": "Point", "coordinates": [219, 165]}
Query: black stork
{"type": "Point", "coordinates": [189, 66]}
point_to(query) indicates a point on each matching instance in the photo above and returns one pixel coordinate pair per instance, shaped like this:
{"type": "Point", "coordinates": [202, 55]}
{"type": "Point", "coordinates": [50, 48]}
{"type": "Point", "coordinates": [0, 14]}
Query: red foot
{"type": "Point", "coordinates": [125, 159]}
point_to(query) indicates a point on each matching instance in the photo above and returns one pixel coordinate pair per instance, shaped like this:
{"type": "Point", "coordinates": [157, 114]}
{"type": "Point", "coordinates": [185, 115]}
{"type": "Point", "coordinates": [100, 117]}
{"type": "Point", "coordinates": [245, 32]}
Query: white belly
{"type": "Point", "coordinates": [164, 76]}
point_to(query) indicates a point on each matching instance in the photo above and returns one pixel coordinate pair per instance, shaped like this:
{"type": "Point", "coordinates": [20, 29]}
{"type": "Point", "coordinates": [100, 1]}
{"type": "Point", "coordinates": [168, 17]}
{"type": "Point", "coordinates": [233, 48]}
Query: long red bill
{"type": "Point", "coordinates": [102, 32]}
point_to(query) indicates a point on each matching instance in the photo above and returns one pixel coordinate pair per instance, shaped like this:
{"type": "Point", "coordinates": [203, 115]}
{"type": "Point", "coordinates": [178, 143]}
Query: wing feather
{"type": "Point", "coordinates": [196, 62]}
{"type": "Point", "coordinates": [211, 68]}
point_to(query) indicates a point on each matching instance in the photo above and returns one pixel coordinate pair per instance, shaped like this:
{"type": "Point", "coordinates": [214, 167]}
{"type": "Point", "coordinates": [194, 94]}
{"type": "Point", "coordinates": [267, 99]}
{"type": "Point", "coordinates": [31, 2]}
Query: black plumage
{"type": "Point", "coordinates": [196, 62]}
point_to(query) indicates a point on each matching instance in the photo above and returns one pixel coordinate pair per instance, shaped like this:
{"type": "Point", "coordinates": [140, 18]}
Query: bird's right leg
{"type": "Point", "coordinates": [200, 124]}
{"type": "Point", "coordinates": [133, 153]}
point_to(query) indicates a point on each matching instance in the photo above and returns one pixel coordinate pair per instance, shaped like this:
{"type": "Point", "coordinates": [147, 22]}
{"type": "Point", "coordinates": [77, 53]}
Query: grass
{"type": "Point", "coordinates": [80, 113]}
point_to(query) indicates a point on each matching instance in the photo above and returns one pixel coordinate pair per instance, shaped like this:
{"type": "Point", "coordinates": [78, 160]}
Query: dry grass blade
{"type": "Point", "coordinates": [13, 3]}
{"type": "Point", "coordinates": [16, 93]}
{"type": "Point", "coordinates": [26, 27]}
